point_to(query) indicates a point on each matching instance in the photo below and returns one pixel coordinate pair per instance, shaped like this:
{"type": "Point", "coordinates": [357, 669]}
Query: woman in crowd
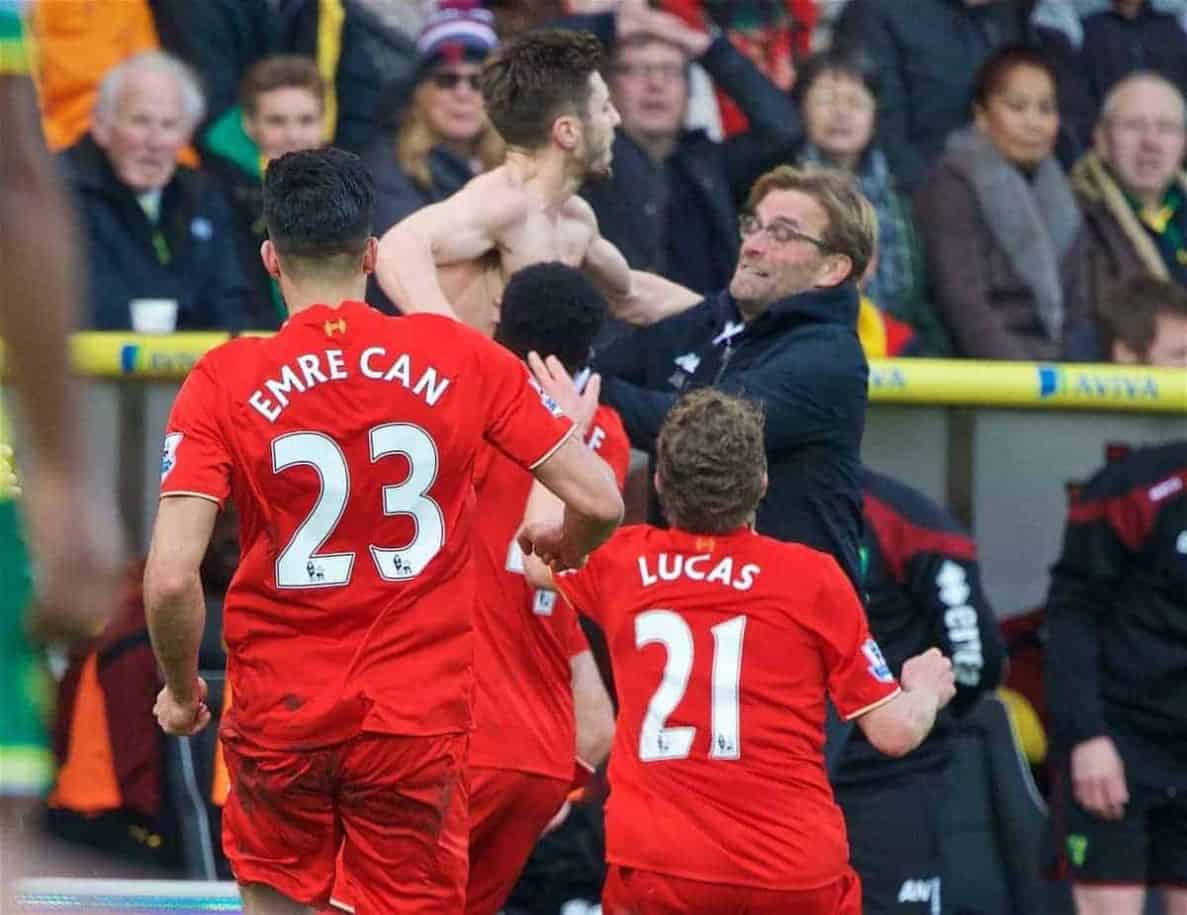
{"type": "Point", "coordinates": [1004, 238]}
{"type": "Point", "coordinates": [836, 93]}
{"type": "Point", "coordinates": [443, 138]}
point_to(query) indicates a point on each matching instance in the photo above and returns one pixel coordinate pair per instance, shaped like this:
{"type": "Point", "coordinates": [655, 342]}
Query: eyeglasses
{"type": "Point", "coordinates": [646, 71]}
{"type": "Point", "coordinates": [447, 80]}
{"type": "Point", "coordinates": [855, 101]}
{"type": "Point", "coordinates": [780, 231]}
{"type": "Point", "coordinates": [1163, 129]}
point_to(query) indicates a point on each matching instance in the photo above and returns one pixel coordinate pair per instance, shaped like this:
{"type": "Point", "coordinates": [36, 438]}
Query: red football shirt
{"type": "Point", "coordinates": [523, 696]}
{"type": "Point", "coordinates": [347, 442]}
{"type": "Point", "coordinates": [723, 649]}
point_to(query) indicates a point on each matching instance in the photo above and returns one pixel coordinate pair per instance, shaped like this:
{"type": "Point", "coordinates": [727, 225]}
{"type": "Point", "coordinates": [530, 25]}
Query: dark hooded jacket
{"type": "Point", "coordinates": [801, 359]}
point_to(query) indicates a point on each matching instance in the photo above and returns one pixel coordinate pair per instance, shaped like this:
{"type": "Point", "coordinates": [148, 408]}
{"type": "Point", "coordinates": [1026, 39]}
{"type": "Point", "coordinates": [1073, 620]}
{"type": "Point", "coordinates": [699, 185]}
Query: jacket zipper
{"type": "Point", "coordinates": [725, 361]}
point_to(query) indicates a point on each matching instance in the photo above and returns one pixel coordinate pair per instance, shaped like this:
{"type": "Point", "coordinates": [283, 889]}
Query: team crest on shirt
{"type": "Point", "coordinates": [878, 666]}
{"type": "Point", "coordinates": [169, 453]}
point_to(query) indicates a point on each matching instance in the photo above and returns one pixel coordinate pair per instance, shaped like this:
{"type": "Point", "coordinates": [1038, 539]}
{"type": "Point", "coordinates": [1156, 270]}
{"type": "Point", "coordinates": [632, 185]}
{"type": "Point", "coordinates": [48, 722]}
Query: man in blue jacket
{"type": "Point", "coordinates": [783, 334]}
{"type": "Point", "coordinates": [153, 229]}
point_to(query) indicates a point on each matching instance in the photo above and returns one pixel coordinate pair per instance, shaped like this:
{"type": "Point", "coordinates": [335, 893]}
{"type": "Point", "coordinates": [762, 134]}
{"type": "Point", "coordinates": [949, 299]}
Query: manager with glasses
{"type": "Point", "coordinates": [783, 334]}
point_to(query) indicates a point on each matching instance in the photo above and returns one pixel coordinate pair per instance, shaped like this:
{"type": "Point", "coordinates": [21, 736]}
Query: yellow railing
{"type": "Point", "coordinates": [902, 381]}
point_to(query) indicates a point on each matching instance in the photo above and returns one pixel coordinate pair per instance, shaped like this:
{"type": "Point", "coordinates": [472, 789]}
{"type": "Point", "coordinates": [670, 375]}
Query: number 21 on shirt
{"type": "Point", "coordinates": [659, 742]}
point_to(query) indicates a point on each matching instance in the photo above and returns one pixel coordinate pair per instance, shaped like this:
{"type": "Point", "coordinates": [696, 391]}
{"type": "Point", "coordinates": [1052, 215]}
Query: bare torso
{"type": "Point", "coordinates": [532, 233]}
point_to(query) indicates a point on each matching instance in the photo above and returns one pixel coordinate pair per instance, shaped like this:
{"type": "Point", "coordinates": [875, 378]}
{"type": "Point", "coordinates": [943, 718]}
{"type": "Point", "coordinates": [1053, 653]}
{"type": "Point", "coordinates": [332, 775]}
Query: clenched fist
{"type": "Point", "coordinates": [930, 671]}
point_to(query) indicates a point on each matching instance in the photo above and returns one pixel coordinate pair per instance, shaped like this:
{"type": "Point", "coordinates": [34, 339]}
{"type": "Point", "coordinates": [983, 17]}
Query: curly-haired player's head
{"type": "Point", "coordinates": [551, 309]}
{"type": "Point", "coordinates": [711, 463]}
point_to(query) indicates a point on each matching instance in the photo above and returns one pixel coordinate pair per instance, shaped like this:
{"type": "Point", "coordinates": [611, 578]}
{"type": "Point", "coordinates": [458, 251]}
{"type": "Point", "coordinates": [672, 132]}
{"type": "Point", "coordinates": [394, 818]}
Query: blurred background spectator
{"type": "Point", "coordinates": [281, 107]}
{"type": "Point", "coordinates": [771, 34]}
{"type": "Point", "coordinates": [361, 48]}
{"type": "Point", "coordinates": [443, 138]}
{"type": "Point", "coordinates": [1122, 36]}
{"type": "Point", "coordinates": [925, 55]}
{"type": "Point", "coordinates": [837, 94]}
{"type": "Point", "coordinates": [1145, 323]}
{"type": "Point", "coordinates": [110, 792]}
{"type": "Point", "coordinates": [1005, 240]}
{"type": "Point", "coordinates": [115, 790]}
{"type": "Point", "coordinates": [669, 204]}
{"type": "Point", "coordinates": [153, 229]}
{"type": "Point", "coordinates": [78, 42]}
{"type": "Point", "coordinates": [1093, 44]}
{"type": "Point", "coordinates": [1132, 186]}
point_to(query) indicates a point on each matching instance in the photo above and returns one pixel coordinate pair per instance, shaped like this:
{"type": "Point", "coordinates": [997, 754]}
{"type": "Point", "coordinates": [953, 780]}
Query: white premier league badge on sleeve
{"type": "Point", "coordinates": [878, 666]}
{"type": "Point", "coordinates": [549, 404]}
{"type": "Point", "coordinates": [169, 453]}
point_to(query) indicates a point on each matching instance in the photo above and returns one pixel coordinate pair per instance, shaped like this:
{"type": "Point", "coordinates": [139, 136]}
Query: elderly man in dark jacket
{"type": "Point", "coordinates": [783, 334]}
{"type": "Point", "coordinates": [153, 229]}
{"type": "Point", "coordinates": [669, 203]}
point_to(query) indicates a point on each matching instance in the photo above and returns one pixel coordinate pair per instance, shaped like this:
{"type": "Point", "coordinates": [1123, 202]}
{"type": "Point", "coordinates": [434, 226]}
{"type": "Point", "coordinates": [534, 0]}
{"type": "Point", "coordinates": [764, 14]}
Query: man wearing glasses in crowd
{"type": "Point", "coordinates": [783, 334]}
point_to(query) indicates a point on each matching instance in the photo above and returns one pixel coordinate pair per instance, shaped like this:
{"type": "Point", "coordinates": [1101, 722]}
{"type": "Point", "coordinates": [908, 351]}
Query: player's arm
{"type": "Point", "coordinates": [634, 296]}
{"type": "Point", "coordinates": [38, 282]}
{"type": "Point", "coordinates": [899, 725]}
{"type": "Point", "coordinates": [463, 227]}
{"type": "Point", "coordinates": [590, 512]}
{"type": "Point", "coordinates": [75, 531]}
{"type": "Point", "coordinates": [593, 710]}
{"type": "Point", "coordinates": [175, 608]}
{"type": "Point", "coordinates": [575, 503]}
{"type": "Point", "coordinates": [895, 717]}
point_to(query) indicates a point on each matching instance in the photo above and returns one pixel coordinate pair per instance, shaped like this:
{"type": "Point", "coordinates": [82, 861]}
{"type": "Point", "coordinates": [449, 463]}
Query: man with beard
{"type": "Point", "coordinates": [545, 96]}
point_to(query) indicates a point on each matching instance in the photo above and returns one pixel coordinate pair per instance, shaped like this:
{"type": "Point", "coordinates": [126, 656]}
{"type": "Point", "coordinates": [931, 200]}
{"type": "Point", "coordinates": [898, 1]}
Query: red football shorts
{"type": "Point", "coordinates": [508, 811]}
{"type": "Point", "coordinates": [634, 892]}
{"type": "Point", "coordinates": [394, 806]}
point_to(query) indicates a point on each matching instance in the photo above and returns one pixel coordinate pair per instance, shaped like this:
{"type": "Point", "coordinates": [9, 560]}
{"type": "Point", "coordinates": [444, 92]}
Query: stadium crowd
{"type": "Point", "coordinates": [1014, 202]}
{"type": "Point", "coordinates": [746, 185]}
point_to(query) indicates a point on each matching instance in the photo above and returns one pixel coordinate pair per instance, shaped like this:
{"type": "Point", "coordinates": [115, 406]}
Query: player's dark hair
{"type": "Point", "coordinates": [551, 309]}
{"type": "Point", "coordinates": [318, 205]}
{"type": "Point", "coordinates": [711, 462]}
{"type": "Point", "coordinates": [535, 78]}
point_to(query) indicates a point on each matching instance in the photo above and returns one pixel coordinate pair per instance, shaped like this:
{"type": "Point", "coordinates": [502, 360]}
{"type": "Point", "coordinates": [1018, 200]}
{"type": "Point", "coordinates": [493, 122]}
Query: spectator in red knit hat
{"type": "Point", "coordinates": [443, 138]}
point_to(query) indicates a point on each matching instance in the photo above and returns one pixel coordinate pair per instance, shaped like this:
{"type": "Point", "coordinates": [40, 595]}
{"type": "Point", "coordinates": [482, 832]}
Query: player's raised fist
{"type": "Point", "coordinates": [930, 671]}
